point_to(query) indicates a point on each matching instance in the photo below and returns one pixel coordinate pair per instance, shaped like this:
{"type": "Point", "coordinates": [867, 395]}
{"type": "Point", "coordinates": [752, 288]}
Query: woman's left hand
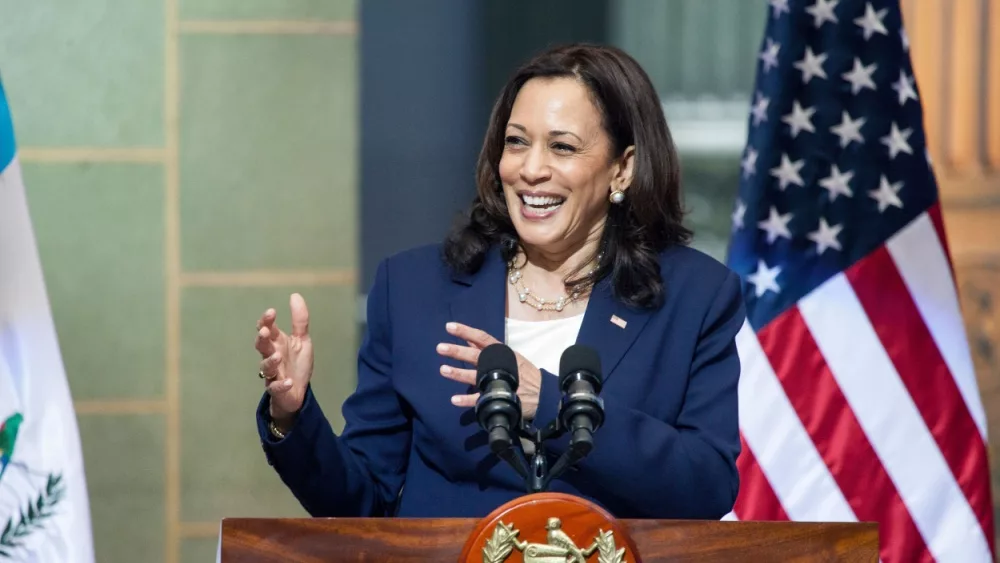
{"type": "Point", "coordinates": [529, 376]}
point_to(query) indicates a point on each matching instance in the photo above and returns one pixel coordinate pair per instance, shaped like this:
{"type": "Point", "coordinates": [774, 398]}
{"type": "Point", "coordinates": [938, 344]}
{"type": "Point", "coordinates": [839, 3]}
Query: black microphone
{"type": "Point", "coordinates": [581, 411]}
{"type": "Point", "coordinates": [498, 408]}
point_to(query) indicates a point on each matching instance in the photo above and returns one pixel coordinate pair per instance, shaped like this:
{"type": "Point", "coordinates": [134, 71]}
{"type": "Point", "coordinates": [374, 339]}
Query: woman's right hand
{"type": "Point", "coordinates": [287, 362]}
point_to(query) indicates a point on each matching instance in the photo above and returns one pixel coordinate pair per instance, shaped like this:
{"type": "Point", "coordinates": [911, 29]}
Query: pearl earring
{"type": "Point", "coordinates": [617, 196]}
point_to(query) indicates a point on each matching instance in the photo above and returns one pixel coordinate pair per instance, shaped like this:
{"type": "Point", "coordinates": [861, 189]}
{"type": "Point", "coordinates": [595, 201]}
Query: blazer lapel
{"type": "Point", "coordinates": [482, 302]}
{"type": "Point", "coordinates": [610, 327]}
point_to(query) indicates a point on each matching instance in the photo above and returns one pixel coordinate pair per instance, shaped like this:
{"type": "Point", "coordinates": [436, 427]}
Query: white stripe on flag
{"type": "Point", "coordinates": [924, 267]}
{"type": "Point", "coordinates": [892, 422]}
{"type": "Point", "coordinates": [783, 449]}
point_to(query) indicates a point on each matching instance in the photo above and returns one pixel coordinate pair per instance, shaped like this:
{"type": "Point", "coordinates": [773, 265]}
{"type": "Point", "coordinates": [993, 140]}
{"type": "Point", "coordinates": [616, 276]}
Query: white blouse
{"type": "Point", "coordinates": [543, 342]}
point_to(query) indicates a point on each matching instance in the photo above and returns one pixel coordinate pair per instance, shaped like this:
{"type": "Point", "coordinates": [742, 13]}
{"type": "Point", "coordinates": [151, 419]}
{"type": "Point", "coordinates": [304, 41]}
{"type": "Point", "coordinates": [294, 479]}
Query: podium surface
{"type": "Point", "coordinates": [544, 527]}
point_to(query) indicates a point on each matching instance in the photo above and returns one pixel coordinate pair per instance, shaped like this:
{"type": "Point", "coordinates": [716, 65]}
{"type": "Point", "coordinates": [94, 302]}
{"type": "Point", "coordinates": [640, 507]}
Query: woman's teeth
{"type": "Point", "coordinates": [542, 202]}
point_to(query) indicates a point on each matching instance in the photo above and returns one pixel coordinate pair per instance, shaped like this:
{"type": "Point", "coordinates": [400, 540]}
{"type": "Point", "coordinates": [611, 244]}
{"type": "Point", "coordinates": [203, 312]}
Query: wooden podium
{"type": "Point", "coordinates": [542, 528]}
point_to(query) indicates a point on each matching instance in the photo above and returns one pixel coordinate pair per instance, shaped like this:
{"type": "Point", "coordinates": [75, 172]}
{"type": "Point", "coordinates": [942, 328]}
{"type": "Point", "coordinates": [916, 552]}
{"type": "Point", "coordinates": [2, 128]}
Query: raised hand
{"type": "Point", "coordinates": [287, 363]}
{"type": "Point", "coordinates": [530, 377]}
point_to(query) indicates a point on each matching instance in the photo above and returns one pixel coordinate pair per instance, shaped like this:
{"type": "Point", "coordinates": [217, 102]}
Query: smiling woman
{"type": "Point", "coordinates": [574, 236]}
{"type": "Point", "coordinates": [567, 127]}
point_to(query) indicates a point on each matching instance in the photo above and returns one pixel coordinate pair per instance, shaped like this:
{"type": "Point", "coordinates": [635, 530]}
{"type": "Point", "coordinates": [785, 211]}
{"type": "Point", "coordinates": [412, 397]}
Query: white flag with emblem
{"type": "Point", "coordinates": [44, 506]}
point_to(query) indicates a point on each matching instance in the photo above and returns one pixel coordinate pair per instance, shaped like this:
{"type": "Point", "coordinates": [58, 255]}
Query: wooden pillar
{"type": "Point", "coordinates": [955, 47]}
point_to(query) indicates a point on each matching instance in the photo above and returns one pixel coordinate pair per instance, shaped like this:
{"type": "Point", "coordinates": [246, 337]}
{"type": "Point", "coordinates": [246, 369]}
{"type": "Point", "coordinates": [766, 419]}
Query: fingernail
{"type": "Point", "coordinates": [454, 400]}
{"type": "Point", "coordinates": [446, 370]}
{"type": "Point", "coordinates": [288, 384]}
{"type": "Point", "coordinates": [451, 327]}
{"type": "Point", "coordinates": [442, 348]}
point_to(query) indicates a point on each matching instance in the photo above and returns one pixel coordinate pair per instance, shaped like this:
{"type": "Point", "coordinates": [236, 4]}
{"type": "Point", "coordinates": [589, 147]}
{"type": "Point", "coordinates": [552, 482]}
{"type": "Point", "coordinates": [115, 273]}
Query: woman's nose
{"type": "Point", "coordinates": [535, 168]}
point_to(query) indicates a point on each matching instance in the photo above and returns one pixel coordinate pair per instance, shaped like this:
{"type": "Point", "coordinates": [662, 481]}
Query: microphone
{"type": "Point", "coordinates": [498, 408]}
{"type": "Point", "coordinates": [581, 411]}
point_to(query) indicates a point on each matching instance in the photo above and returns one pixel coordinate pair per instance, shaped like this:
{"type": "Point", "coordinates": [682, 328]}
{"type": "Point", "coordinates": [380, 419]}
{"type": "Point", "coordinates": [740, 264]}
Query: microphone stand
{"type": "Point", "coordinates": [509, 454]}
{"type": "Point", "coordinates": [535, 472]}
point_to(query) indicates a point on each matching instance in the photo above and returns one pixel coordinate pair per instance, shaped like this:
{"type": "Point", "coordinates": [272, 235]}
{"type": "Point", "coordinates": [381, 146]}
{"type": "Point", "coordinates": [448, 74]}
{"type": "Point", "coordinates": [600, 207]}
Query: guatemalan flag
{"type": "Point", "coordinates": [44, 507]}
{"type": "Point", "coordinates": [858, 399]}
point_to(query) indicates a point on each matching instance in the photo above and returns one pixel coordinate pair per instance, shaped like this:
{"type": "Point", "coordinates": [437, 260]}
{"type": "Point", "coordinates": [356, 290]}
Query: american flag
{"type": "Point", "coordinates": [858, 400]}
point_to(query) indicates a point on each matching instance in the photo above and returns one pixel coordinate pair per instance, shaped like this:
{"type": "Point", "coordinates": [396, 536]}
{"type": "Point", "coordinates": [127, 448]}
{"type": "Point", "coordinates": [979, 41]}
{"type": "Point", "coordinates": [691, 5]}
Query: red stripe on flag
{"type": "Point", "coordinates": [756, 500]}
{"type": "Point", "coordinates": [922, 369]}
{"type": "Point", "coordinates": [838, 437]}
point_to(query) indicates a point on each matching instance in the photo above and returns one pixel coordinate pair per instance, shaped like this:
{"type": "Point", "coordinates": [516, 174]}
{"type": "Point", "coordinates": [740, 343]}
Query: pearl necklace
{"type": "Point", "coordinates": [526, 296]}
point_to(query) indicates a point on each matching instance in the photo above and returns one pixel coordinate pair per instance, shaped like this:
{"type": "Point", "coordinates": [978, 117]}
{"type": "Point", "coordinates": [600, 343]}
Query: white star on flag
{"type": "Point", "coordinates": [871, 22]}
{"type": "Point", "coordinates": [770, 54]}
{"type": "Point", "coordinates": [860, 76]}
{"type": "Point", "coordinates": [765, 279]}
{"type": "Point", "coordinates": [779, 6]}
{"type": "Point", "coordinates": [896, 140]}
{"type": "Point", "coordinates": [800, 119]}
{"type": "Point", "coordinates": [849, 130]}
{"type": "Point", "coordinates": [788, 172]}
{"type": "Point", "coordinates": [904, 87]}
{"type": "Point", "coordinates": [776, 225]}
{"type": "Point", "coordinates": [887, 194]}
{"type": "Point", "coordinates": [749, 163]}
{"type": "Point", "coordinates": [825, 236]}
{"type": "Point", "coordinates": [837, 183]}
{"type": "Point", "coordinates": [811, 65]}
{"type": "Point", "coordinates": [759, 109]}
{"type": "Point", "coordinates": [738, 213]}
{"type": "Point", "coordinates": [822, 11]}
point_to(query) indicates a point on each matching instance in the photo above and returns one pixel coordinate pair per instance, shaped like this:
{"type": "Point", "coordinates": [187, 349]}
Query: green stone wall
{"type": "Point", "coordinates": [188, 163]}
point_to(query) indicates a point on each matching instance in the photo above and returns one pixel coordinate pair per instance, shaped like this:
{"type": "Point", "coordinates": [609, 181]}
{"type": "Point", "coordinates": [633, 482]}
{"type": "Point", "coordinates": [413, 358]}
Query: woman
{"type": "Point", "coordinates": [574, 236]}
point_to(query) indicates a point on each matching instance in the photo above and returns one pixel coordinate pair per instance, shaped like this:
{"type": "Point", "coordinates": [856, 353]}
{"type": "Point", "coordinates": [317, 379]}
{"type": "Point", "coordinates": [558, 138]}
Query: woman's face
{"type": "Point", "coordinates": [557, 168]}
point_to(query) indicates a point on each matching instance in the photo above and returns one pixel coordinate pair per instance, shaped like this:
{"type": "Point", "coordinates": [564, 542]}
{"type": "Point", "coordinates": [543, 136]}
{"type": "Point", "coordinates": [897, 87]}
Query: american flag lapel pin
{"type": "Point", "coordinates": [620, 322]}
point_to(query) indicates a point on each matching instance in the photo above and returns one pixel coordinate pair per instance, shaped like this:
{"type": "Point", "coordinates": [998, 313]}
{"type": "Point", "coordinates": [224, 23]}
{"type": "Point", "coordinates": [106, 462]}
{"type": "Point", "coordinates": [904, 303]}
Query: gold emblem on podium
{"type": "Point", "coordinates": [559, 549]}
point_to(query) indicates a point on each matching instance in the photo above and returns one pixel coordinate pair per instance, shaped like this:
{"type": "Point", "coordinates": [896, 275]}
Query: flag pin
{"type": "Point", "coordinates": [618, 321]}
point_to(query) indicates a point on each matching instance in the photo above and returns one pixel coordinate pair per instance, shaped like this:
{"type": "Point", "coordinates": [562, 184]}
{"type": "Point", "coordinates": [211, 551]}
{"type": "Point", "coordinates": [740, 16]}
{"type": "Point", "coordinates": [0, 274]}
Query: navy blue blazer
{"type": "Point", "coordinates": [667, 449]}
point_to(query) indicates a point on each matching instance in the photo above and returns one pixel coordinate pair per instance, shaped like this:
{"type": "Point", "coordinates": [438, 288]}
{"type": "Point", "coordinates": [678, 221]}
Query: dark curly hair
{"type": "Point", "coordinates": [650, 218]}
